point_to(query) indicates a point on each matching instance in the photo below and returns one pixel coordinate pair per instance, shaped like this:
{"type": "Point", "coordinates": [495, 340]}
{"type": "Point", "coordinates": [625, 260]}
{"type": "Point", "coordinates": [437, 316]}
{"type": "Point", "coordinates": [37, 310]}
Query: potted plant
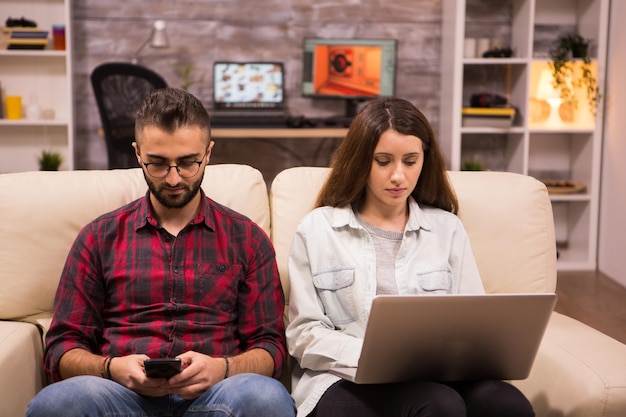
{"type": "Point", "coordinates": [569, 48]}
{"type": "Point", "coordinates": [185, 74]}
{"type": "Point", "coordinates": [472, 165]}
{"type": "Point", "coordinates": [49, 161]}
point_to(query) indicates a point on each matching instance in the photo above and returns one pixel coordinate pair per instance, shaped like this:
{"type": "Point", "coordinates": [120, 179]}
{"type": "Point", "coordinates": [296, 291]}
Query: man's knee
{"type": "Point", "coordinates": [265, 395]}
{"type": "Point", "coordinates": [65, 397]}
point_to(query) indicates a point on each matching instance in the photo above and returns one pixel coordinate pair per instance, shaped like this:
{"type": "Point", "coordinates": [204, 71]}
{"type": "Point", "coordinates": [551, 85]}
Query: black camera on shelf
{"type": "Point", "coordinates": [498, 53]}
{"type": "Point", "coordinates": [22, 22]}
{"type": "Point", "coordinates": [487, 100]}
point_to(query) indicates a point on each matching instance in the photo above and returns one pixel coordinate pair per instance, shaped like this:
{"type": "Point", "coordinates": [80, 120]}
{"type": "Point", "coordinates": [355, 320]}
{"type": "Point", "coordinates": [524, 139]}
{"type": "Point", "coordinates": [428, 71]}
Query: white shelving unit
{"type": "Point", "coordinates": [43, 76]}
{"type": "Point", "coordinates": [564, 150]}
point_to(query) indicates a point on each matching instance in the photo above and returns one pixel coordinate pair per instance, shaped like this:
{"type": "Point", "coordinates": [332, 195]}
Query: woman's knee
{"type": "Point", "coordinates": [440, 400]}
{"type": "Point", "coordinates": [495, 398]}
{"type": "Point", "coordinates": [511, 400]}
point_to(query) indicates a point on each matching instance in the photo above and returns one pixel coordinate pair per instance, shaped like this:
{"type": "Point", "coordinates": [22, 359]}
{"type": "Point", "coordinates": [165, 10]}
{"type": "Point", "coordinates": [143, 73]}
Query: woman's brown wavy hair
{"type": "Point", "coordinates": [352, 163]}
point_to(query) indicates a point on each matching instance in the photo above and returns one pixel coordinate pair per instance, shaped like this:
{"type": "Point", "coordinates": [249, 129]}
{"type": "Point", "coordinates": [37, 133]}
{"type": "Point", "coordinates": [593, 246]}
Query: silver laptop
{"type": "Point", "coordinates": [451, 337]}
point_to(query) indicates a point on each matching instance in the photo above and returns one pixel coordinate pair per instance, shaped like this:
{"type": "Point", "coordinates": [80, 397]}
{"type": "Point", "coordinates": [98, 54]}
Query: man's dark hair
{"type": "Point", "coordinates": [170, 109]}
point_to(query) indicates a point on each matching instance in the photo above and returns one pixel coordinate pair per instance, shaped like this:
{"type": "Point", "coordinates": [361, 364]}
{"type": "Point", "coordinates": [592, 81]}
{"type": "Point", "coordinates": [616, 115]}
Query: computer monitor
{"type": "Point", "coordinates": [351, 69]}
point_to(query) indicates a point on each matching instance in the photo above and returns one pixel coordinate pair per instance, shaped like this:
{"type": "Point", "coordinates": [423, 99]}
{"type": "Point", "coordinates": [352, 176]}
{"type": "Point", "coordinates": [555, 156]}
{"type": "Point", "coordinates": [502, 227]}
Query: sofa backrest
{"type": "Point", "coordinates": [508, 218]}
{"type": "Point", "coordinates": [42, 212]}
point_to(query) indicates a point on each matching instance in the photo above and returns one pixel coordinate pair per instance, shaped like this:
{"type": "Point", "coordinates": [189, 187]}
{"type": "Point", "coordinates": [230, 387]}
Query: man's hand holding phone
{"type": "Point", "coordinates": [130, 372]}
{"type": "Point", "coordinates": [162, 367]}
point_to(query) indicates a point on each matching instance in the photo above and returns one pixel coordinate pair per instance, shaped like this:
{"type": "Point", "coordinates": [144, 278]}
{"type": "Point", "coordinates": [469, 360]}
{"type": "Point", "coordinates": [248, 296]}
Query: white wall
{"type": "Point", "coordinates": [612, 230]}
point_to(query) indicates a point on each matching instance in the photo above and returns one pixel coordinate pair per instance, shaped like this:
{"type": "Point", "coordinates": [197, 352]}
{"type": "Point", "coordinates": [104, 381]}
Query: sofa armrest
{"type": "Point", "coordinates": [22, 377]}
{"type": "Point", "coordinates": [578, 372]}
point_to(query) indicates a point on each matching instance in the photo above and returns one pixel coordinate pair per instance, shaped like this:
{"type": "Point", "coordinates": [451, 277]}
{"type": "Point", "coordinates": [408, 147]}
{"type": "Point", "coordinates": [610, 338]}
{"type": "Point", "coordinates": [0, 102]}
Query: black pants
{"type": "Point", "coordinates": [424, 399]}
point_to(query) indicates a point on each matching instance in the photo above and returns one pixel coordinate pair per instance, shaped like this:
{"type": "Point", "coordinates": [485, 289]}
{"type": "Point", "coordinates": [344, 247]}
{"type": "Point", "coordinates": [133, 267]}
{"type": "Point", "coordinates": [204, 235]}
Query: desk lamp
{"type": "Point", "coordinates": [157, 39]}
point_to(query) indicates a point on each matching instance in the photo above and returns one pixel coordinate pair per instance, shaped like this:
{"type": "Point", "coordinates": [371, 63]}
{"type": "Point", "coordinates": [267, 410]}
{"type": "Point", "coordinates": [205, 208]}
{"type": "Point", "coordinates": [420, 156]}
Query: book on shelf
{"type": "Point", "coordinates": [498, 117]}
{"type": "Point", "coordinates": [24, 38]}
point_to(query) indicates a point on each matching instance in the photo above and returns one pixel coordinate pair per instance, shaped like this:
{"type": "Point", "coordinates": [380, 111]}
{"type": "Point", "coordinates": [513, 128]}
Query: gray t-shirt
{"type": "Point", "coordinates": [386, 243]}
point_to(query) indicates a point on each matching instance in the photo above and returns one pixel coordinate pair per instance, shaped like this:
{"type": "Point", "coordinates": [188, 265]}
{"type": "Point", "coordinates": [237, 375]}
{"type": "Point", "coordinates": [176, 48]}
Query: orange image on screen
{"type": "Point", "coordinates": [347, 70]}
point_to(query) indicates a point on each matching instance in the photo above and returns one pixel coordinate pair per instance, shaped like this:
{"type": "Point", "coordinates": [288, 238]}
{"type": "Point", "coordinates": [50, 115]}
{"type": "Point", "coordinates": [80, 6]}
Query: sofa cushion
{"type": "Point", "coordinates": [508, 218]}
{"type": "Point", "coordinates": [505, 215]}
{"type": "Point", "coordinates": [578, 371]}
{"type": "Point", "coordinates": [292, 196]}
{"type": "Point", "coordinates": [42, 212]}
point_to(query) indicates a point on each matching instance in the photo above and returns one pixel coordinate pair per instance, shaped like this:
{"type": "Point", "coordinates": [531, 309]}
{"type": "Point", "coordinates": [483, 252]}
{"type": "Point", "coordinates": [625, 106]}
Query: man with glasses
{"type": "Point", "coordinates": [171, 275]}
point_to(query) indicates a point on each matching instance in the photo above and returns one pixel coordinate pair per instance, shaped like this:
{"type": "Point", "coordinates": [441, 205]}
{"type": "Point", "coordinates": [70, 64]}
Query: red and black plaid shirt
{"type": "Point", "coordinates": [129, 286]}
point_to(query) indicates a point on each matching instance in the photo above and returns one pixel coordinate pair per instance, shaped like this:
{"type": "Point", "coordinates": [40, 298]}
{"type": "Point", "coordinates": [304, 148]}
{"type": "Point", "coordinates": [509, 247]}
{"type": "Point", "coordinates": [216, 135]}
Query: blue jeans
{"type": "Point", "coordinates": [242, 395]}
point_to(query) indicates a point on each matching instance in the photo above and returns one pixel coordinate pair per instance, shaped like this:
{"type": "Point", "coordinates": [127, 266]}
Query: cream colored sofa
{"type": "Point", "coordinates": [578, 371]}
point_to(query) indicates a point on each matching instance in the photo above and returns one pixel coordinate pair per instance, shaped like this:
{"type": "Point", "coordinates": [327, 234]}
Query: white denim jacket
{"type": "Point", "coordinates": [332, 268]}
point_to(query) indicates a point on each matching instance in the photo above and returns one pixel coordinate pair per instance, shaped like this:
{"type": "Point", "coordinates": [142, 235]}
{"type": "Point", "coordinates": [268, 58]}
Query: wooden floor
{"type": "Point", "coordinates": [594, 299]}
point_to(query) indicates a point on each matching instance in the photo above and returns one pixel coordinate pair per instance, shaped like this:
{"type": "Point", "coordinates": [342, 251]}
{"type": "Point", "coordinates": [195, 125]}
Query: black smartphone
{"type": "Point", "coordinates": [162, 367]}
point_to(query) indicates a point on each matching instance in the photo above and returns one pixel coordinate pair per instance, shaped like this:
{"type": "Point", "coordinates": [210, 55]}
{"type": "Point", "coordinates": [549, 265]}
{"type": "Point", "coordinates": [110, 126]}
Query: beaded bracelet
{"type": "Point", "coordinates": [109, 367]}
{"type": "Point", "coordinates": [227, 373]}
{"type": "Point", "coordinates": [104, 369]}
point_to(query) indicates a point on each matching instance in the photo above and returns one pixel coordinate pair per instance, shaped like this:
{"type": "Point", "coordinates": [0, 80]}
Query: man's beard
{"type": "Point", "coordinates": [174, 201]}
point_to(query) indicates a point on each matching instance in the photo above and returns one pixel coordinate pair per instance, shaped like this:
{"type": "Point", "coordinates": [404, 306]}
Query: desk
{"type": "Point", "coordinates": [277, 133]}
{"type": "Point", "coordinates": [271, 150]}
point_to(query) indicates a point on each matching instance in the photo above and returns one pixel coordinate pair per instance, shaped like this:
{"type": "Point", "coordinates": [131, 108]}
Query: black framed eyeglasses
{"type": "Point", "coordinates": [184, 169]}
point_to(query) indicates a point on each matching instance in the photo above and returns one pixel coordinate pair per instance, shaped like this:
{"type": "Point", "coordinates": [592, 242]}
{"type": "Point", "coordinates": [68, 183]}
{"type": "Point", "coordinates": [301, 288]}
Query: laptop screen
{"type": "Point", "coordinates": [248, 85]}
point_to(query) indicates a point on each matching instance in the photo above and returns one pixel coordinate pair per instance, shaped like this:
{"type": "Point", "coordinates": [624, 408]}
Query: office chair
{"type": "Point", "coordinates": [119, 88]}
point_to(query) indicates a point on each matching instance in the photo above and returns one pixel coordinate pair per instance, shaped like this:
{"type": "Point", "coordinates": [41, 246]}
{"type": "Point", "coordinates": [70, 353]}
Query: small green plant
{"type": "Point", "coordinates": [49, 161]}
{"type": "Point", "coordinates": [185, 74]}
{"type": "Point", "coordinates": [472, 165]}
{"type": "Point", "coordinates": [565, 77]}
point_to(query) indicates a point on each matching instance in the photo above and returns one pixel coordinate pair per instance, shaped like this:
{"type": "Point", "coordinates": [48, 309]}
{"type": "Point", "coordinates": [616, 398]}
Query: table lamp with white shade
{"type": "Point", "coordinates": [547, 92]}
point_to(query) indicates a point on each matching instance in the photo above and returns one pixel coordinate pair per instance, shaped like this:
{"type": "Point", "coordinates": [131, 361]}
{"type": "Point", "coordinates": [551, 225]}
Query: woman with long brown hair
{"type": "Point", "coordinates": [385, 223]}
